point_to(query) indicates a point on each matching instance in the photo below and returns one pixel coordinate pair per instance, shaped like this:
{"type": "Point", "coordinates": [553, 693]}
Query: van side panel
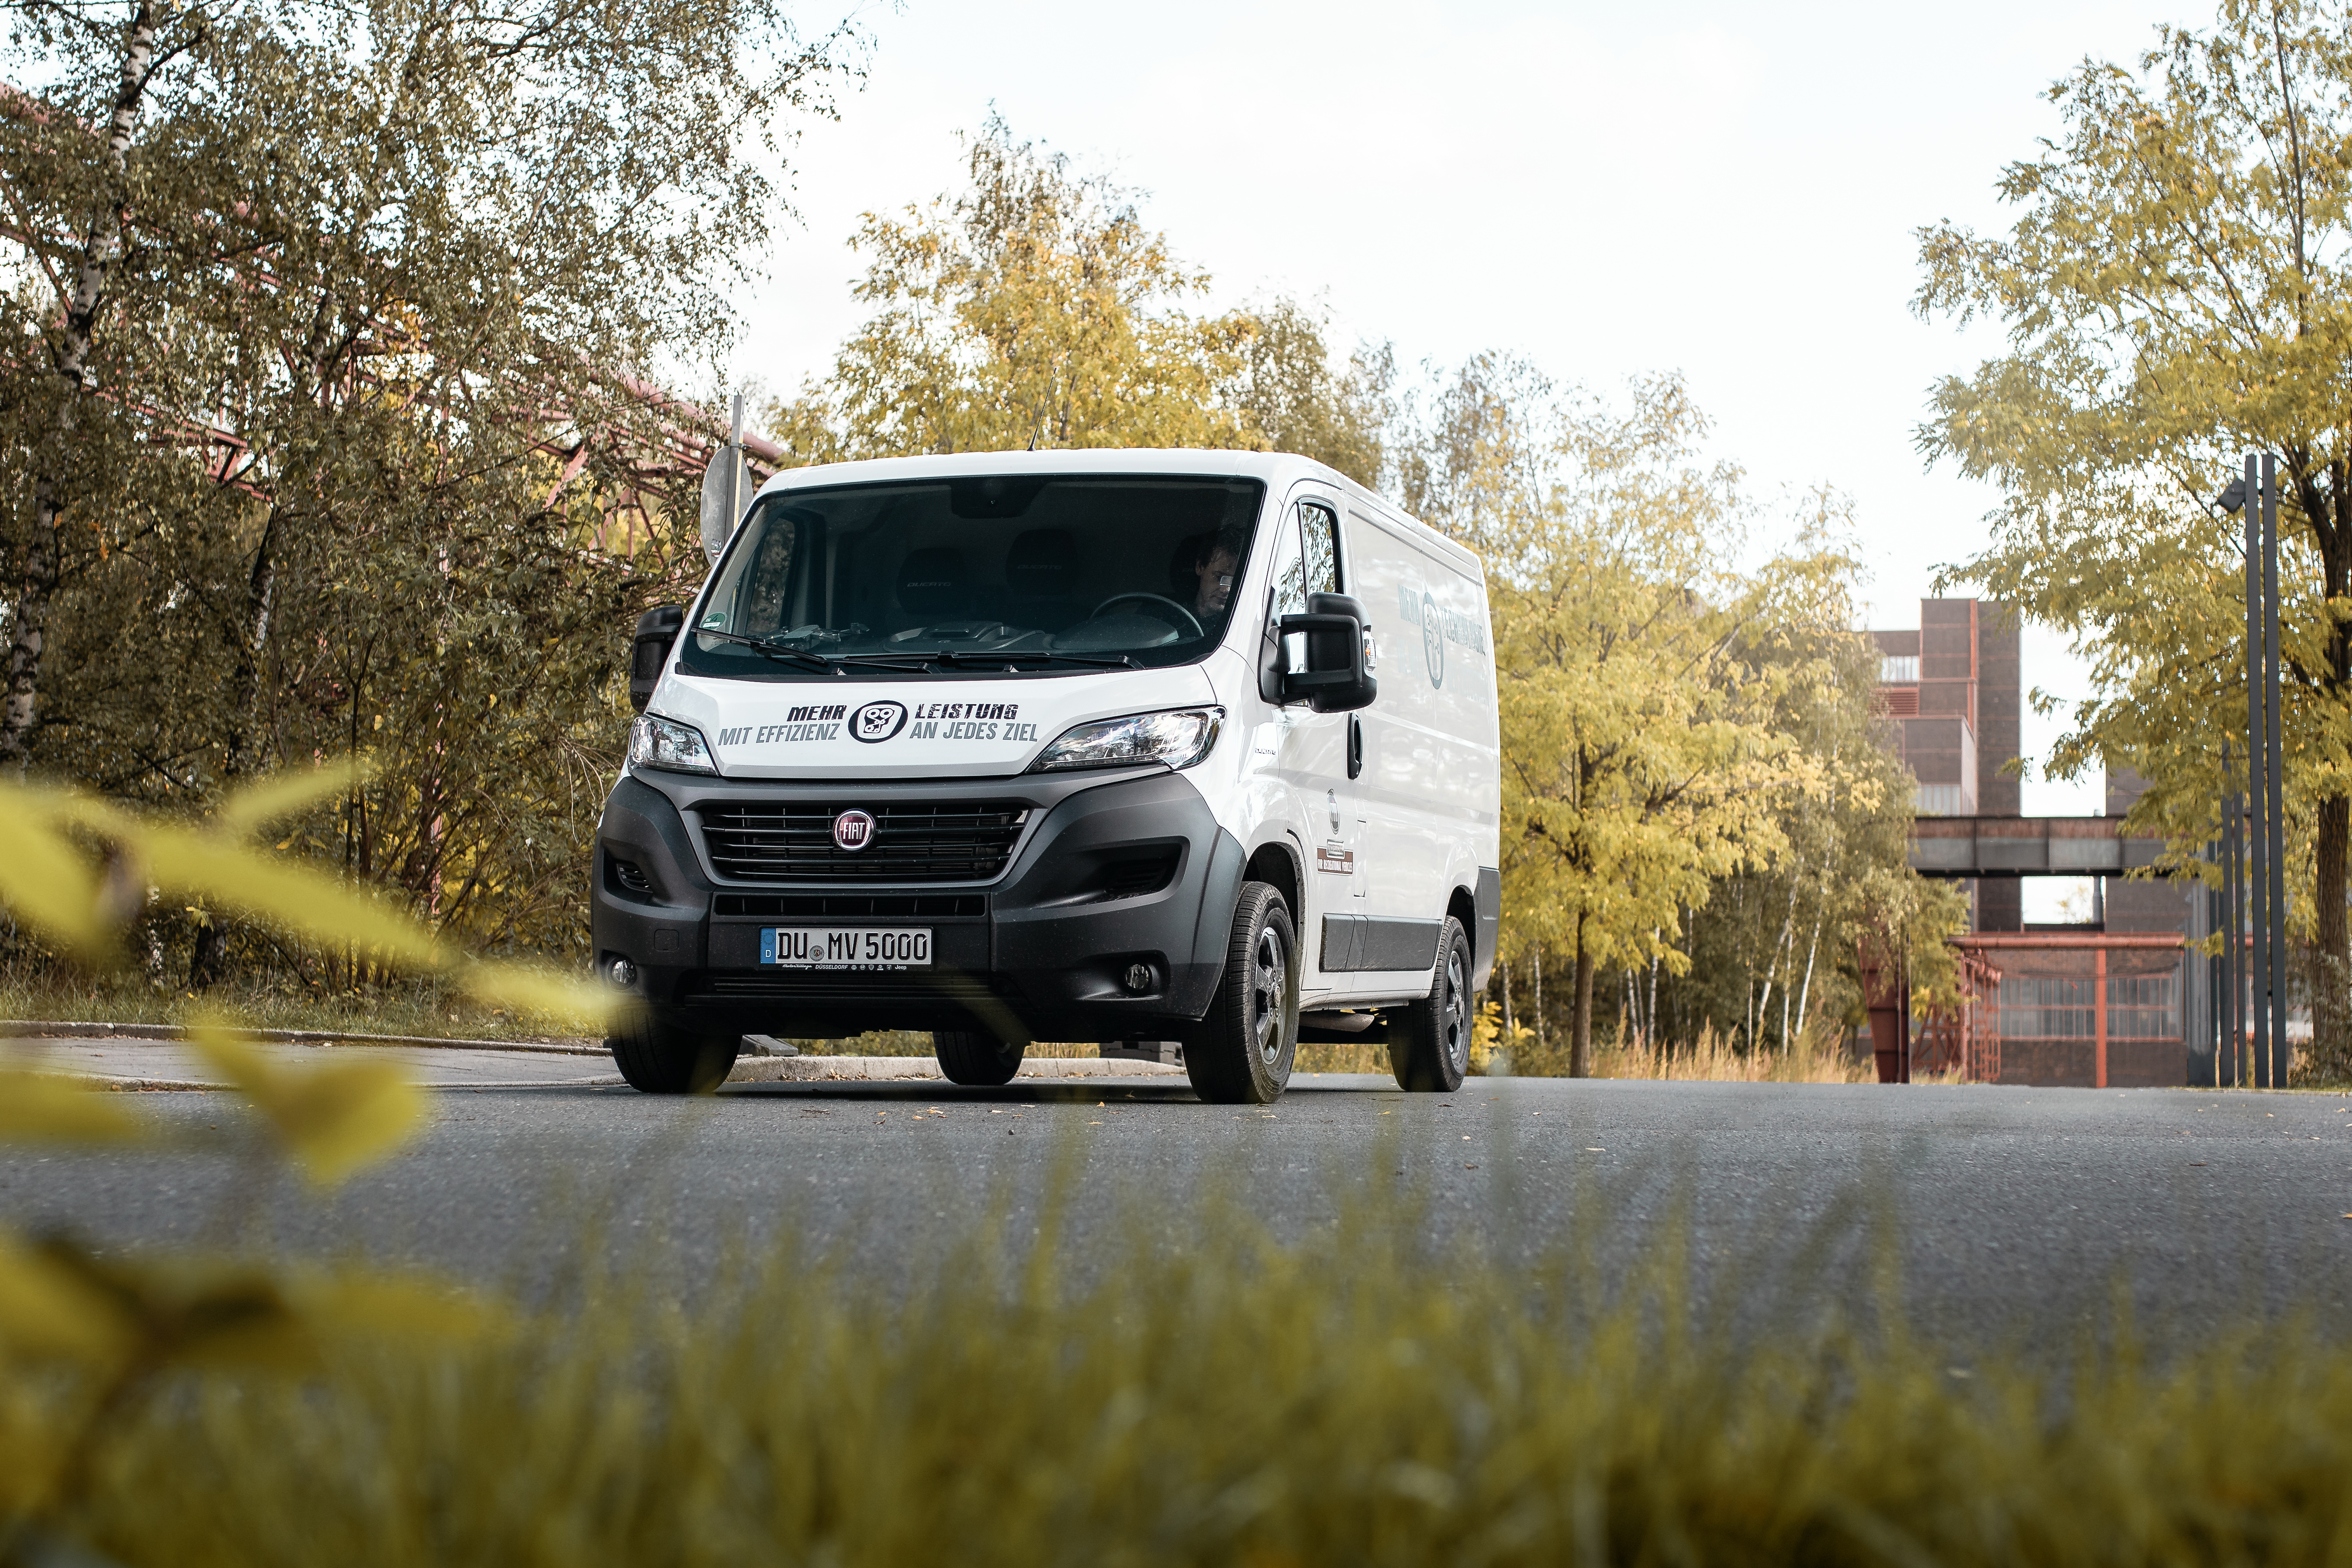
{"type": "Point", "coordinates": [1432, 752]}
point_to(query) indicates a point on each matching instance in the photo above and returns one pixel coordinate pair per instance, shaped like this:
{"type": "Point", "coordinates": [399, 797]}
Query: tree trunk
{"type": "Point", "coordinates": [2329, 515]}
{"type": "Point", "coordinates": [208, 961]}
{"type": "Point", "coordinates": [37, 584]}
{"type": "Point", "coordinates": [243, 752]}
{"type": "Point", "coordinates": [2331, 1041]}
{"type": "Point", "coordinates": [1805, 997]}
{"type": "Point", "coordinates": [1580, 1046]}
{"type": "Point", "coordinates": [1772, 975]}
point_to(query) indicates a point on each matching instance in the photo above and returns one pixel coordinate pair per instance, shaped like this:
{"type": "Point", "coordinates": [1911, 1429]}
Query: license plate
{"type": "Point", "coordinates": [845, 947]}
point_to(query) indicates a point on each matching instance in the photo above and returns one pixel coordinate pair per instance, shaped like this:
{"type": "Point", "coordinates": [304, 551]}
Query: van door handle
{"type": "Point", "coordinates": [1355, 745]}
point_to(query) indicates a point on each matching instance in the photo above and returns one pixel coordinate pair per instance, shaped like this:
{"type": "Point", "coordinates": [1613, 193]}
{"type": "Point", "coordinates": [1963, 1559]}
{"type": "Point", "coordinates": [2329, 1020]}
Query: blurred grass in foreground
{"type": "Point", "coordinates": [1196, 1393]}
{"type": "Point", "coordinates": [1210, 1397]}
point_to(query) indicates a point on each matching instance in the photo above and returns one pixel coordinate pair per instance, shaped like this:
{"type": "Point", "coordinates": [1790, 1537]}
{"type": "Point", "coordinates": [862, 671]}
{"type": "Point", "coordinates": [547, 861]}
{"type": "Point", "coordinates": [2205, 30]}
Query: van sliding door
{"type": "Point", "coordinates": [1423, 763]}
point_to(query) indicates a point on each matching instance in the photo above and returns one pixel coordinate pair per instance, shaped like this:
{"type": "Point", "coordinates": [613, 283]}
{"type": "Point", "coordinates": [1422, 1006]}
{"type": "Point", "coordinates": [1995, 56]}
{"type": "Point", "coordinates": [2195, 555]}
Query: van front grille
{"type": "Point", "coordinates": [856, 906]}
{"type": "Point", "coordinates": [816, 988]}
{"type": "Point", "coordinates": [913, 841]}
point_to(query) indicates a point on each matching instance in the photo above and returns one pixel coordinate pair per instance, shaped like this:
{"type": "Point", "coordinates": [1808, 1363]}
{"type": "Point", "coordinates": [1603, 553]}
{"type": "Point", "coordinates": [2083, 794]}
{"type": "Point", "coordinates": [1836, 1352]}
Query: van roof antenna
{"type": "Point", "coordinates": [1032, 440]}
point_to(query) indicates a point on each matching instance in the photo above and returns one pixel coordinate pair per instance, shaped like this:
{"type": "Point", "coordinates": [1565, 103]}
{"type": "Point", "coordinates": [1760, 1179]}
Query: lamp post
{"type": "Point", "coordinates": [2229, 968]}
{"type": "Point", "coordinates": [2265, 815]}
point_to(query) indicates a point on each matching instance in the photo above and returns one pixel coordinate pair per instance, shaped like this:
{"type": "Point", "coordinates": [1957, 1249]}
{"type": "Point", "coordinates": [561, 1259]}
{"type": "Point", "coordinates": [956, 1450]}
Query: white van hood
{"type": "Point", "coordinates": [954, 727]}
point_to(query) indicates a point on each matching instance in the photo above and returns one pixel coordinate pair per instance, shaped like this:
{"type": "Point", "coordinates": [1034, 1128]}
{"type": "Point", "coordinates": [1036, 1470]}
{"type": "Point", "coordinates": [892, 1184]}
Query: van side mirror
{"type": "Point", "coordinates": [657, 628]}
{"type": "Point", "coordinates": [1338, 678]}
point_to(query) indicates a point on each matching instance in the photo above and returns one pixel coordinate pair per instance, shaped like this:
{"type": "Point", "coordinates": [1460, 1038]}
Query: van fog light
{"type": "Point", "coordinates": [1138, 977]}
{"type": "Point", "coordinates": [623, 973]}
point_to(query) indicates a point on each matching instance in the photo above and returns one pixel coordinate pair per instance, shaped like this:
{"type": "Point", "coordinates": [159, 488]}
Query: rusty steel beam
{"type": "Point", "coordinates": [1963, 847]}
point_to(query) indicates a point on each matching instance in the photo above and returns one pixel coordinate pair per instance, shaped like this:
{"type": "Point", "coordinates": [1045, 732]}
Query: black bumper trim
{"type": "Point", "coordinates": [1359, 942]}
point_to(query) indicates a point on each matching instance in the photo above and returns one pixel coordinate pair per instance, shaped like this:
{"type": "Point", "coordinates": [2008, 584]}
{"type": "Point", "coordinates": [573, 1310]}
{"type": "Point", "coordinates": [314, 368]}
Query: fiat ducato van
{"type": "Point", "coordinates": [1121, 746]}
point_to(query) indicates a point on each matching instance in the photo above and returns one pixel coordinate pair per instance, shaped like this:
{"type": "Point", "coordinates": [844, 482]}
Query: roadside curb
{"type": "Point", "coordinates": [61, 1028]}
{"type": "Point", "coordinates": [186, 1086]}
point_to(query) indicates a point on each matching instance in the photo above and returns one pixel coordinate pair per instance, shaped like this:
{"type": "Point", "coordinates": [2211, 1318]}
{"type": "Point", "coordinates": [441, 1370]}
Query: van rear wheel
{"type": "Point", "coordinates": [1246, 1046]}
{"type": "Point", "coordinates": [1429, 1040]}
{"type": "Point", "coordinates": [658, 1057]}
{"type": "Point", "coordinates": [974, 1059]}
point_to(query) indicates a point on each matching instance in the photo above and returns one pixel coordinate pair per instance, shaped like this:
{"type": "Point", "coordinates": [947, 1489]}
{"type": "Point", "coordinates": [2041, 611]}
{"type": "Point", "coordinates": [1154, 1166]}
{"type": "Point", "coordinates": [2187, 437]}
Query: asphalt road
{"type": "Point", "coordinates": [2016, 1214]}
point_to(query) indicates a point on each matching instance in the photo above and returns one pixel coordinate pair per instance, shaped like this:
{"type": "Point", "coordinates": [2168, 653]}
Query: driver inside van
{"type": "Point", "coordinates": [1216, 570]}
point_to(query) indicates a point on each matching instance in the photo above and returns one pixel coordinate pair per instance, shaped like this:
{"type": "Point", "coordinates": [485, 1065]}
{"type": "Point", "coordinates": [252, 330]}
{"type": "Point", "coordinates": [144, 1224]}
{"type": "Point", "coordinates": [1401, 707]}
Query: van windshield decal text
{"type": "Point", "coordinates": [816, 721]}
{"type": "Point", "coordinates": [969, 710]}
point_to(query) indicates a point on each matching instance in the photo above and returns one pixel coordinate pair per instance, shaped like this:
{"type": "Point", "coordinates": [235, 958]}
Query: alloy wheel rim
{"type": "Point", "coordinates": [1269, 981]}
{"type": "Point", "coordinates": [1457, 1038]}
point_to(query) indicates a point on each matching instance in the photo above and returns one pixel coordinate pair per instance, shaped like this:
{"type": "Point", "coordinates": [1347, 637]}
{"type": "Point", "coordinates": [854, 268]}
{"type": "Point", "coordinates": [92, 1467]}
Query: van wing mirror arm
{"type": "Point", "coordinates": [657, 633]}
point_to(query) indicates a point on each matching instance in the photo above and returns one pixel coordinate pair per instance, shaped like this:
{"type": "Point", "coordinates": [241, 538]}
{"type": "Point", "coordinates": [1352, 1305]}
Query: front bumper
{"type": "Point", "coordinates": [1042, 951]}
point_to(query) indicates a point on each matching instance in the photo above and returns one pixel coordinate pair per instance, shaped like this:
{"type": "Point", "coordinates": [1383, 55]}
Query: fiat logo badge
{"type": "Point", "coordinates": [854, 830]}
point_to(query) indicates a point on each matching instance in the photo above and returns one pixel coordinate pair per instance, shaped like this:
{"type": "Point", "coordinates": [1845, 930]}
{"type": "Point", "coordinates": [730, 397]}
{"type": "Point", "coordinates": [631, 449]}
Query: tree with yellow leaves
{"type": "Point", "coordinates": [2177, 290]}
{"type": "Point", "coordinates": [1036, 309]}
{"type": "Point", "coordinates": [1659, 704]}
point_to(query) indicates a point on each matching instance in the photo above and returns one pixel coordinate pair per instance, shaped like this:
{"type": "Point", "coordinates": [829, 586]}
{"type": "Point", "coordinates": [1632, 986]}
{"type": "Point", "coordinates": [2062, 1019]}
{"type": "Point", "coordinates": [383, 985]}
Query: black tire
{"type": "Point", "coordinates": [658, 1057]}
{"type": "Point", "coordinates": [1242, 1053]}
{"type": "Point", "coordinates": [976, 1060]}
{"type": "Point", "coordinates": [1429, 1041]}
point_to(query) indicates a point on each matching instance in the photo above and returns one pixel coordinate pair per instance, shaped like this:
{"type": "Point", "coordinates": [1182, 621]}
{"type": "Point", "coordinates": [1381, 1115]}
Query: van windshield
{"type": "Point", "coordinates": [980, 577]}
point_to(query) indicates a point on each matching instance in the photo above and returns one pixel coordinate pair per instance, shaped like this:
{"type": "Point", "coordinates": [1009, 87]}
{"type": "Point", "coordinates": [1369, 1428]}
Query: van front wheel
{"type": "Point", "coordinates": [1429, 1041]}
{"type": "Point", "coordinates": [1245, 1046]}
{"type": "Point", "coordinates": [659, 1058]}
{"type": "Point", "coordinates": [976, 1060]}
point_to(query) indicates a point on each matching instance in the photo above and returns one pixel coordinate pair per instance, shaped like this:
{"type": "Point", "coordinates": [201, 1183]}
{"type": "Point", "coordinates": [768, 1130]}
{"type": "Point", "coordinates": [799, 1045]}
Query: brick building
{"type": "Point", "coordinates": [1951, 688]}
{"type": "Point", "coordinates": [2110, 1001]}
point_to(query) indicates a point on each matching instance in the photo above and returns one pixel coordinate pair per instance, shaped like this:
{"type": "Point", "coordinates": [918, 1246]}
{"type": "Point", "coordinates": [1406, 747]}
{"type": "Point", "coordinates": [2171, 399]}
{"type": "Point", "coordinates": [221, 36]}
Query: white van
{"type": "Point", "coordinates": [1129, 746]}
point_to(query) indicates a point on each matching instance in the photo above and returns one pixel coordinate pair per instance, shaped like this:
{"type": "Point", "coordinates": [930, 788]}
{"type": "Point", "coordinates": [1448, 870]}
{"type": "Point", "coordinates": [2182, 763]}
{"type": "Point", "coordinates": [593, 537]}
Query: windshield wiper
{"type": "Point", "coordinates": [1012, 657]}
{"type": "Point", "coordinates": [831, 663]}
{"type": "Point", "coordinates": [916, 663]}
{"type": "Point", "coordinates": [816, 660]}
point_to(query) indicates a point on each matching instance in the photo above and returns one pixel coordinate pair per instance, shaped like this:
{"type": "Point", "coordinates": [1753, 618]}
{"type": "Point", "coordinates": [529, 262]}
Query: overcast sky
{"type": "Point", "coordinates": [1729, 191]}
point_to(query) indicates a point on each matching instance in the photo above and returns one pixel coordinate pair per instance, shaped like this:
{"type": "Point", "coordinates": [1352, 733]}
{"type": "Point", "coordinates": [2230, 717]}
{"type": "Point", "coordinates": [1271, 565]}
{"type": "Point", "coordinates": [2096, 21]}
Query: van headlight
{"type": "Point", "coordinates": [1180, 737]}
{"type": "Point", "coordinates": [658, 742]}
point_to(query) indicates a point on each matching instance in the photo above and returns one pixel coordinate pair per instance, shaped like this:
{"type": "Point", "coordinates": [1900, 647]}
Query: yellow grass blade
{"type": "Point", "coordinates": [49, 1307]}
{"type": "Point", "coordinates": [377, 1306]}
{"type": "Point", "coordinates": [302, 901]}
{"type": "Point", "coordinates": [579, 1002]}
{"type": "Point", "coordinates": [44, 881]}
{"type": "Point", "coordinates": [334, 1117]}
{"type": "Point", "coordinates": [47, 1107]}
{"type": "Point", "coordinates": [252, 807]}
